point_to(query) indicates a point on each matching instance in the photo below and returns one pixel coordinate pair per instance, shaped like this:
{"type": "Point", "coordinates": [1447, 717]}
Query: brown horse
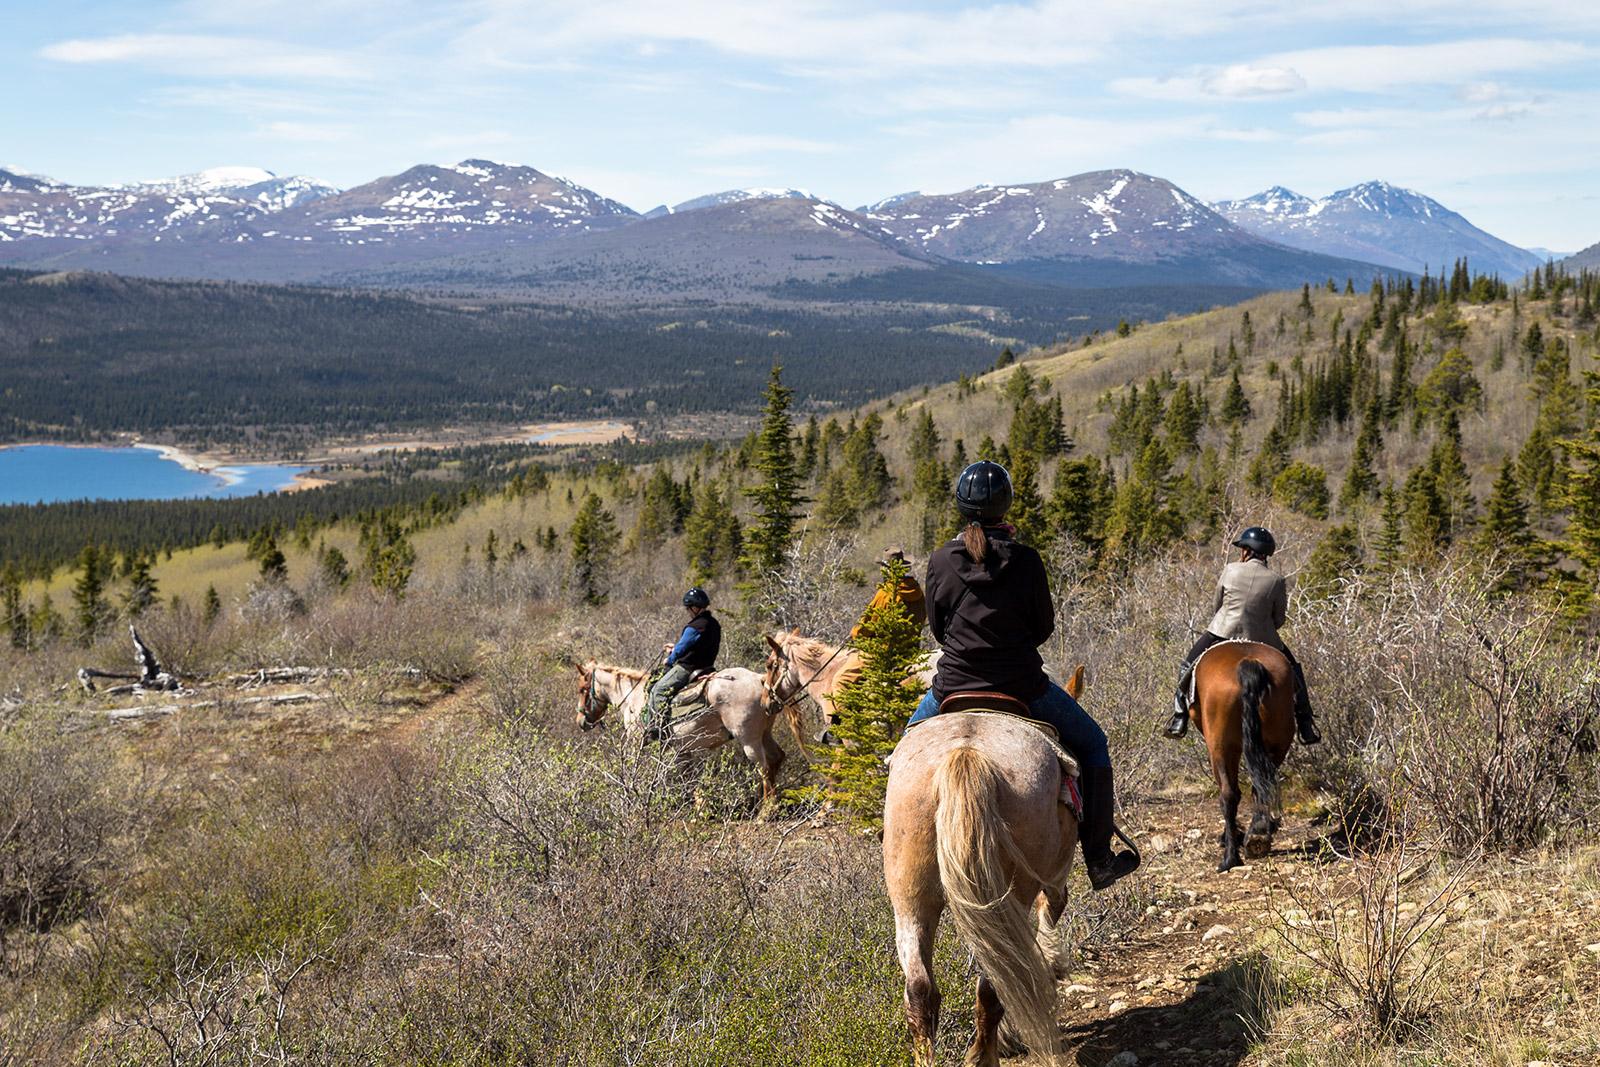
{"type": "Point", "coordinates": [1244, 705]}
{"type": "Point", "coordinates": [973, 822]}
{"type": "Point", "coordinates": [736, 709]}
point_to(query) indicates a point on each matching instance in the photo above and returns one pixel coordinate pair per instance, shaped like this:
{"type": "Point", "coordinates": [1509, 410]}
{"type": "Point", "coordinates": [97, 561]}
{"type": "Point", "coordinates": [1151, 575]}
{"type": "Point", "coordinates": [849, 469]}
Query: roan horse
{"type": "Point", "coordinates": [1244, 704]}
{"type": "Point", "coordinates": [736, 709]}
{"type": "Point", "coordinates": [973, 821]}
{"type": "Point", "coordinates": [802, 665]}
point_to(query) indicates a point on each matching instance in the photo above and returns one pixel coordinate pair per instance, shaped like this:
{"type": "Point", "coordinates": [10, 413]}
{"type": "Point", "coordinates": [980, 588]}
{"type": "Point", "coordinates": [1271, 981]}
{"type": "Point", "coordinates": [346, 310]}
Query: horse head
{"type": "Point", "coordinates": [779, 667]}
{"type": "Point", "coordinates": [591, 706]}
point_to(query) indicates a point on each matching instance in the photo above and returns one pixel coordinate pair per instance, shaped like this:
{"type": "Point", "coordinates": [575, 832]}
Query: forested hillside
{"type": "Point", "coordinates": [277, 368]}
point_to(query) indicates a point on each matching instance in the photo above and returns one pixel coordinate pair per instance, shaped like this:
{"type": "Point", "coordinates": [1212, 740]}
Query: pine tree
{"type": "Point", "coordinates": [1427, 524]}
{"type": "Point", "coordinates": [274, 565]}
{"type": "Point", "coordinates": [13, 612]}
{"type": "Point", "coordinates": [868, 467]}
{"type": "Point", "coordinates": [1270, 460]}
{"type": "Point", "coordinates": [333, 568]}
{"type": "Point", "coordinates": [1142, 516]}
{"type": "Point", "coordinates": [1079, 501]}
{"type": "Point", "coordinates": [1450, 387]}
{"type": "Point", "coordinates": [1305, 300]}
{"type": "Point", "coordinates": [1235, 405]}
{"type": "Point", "coordinates": [874, 709]}
{"type": "Point", "coordinates": [1302, 487]}
{"type": "Point", "coordinates": [594, 540]}
{"type": "Point", "coordinates": [1506, 533]}
{"type": "Point", "coordinates": [142, 588]}
{"type": "Point", "coordinates": [388, 555]}
{"type": "Point", "coordinates": [211, 606]}
{"type": "Point", "coordinates": [1183, 420]}
{"type": "Point", "coordinates": [777, 499]}
{"type": "Point", "coordinates": [89, 606]}
{"type": "Point", "coordinates": [712, 538]}
{"type": "Point", "coordinates": [1581, 498]}
{"type": "Point", "coordinates": [1451, 480]}
{"type": "Point", "coordinates": [1335, 560]}
{"type": "Point", "coordinates": [1027, 505]}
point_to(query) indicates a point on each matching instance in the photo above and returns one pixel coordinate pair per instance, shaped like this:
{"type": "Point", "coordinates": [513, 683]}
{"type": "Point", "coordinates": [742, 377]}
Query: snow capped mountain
{"type": "Point", "coordinates": [888, 202]}
{"type": "Point", "coordinates": [1378, 222]}
{"type": "Point", "coordinates": [1102, 213]}
{"type": "Point", "coordinates": [728, 196]}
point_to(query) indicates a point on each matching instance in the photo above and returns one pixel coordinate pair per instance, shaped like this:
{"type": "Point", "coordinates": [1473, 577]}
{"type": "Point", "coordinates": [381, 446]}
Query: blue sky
{"type": "Point", "coordinates": [1491, 109]}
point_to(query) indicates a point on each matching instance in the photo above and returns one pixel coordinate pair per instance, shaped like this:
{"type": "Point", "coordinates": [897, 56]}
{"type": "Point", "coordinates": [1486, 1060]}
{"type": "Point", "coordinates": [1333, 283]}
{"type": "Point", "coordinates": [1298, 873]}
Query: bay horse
{"type": "Point", "coordinates": [973, 822]}
{"type": "Point", "coordinates": [1244, 705]}
{"type": "Point", "coordinates": [736, 709]}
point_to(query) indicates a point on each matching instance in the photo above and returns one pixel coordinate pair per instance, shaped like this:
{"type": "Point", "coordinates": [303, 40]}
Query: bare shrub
{"type": "Point", "coordinates": [1365, 932]}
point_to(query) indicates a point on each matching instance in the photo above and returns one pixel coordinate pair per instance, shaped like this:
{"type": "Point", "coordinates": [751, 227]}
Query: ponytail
{"type": "Point", "coordinates": [976, 543]}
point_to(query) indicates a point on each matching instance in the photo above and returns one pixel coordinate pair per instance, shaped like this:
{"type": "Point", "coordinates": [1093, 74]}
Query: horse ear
{"type": "Point", "coordinates": [775, 646]}
{"type": "Point", "coordinates": [795, 632]}
{"type": "Point", "coordinates": [1075, 683]}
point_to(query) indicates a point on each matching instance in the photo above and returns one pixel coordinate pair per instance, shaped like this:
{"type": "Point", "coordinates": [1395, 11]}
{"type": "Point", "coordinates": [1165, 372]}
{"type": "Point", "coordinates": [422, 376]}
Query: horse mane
{"type": "Point", "coordinates": [625, 672]}
{"type": "Point", "coordinates": [806, 648]}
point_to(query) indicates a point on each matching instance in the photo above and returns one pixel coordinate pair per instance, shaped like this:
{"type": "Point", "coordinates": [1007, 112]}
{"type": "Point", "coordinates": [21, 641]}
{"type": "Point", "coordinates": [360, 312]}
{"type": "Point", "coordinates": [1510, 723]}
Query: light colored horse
{"type": "Point", "coordinates": [802, 665]}
{"type": "Point", "coordinates": [736, 709]}
{"type": "Point", "coordinates": [973, 821]}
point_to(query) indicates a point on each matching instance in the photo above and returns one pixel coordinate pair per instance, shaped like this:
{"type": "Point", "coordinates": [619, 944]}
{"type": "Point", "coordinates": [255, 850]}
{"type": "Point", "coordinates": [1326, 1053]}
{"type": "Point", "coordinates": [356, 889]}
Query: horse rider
{"type": "Point", "coordinates": [990, 609]}
{"type": "Point", "coordinates": [695, 654]}
{"type": "Point", "coordinates": [907, 593]}
{"type": "Point", "coordinates": [1252, 602]}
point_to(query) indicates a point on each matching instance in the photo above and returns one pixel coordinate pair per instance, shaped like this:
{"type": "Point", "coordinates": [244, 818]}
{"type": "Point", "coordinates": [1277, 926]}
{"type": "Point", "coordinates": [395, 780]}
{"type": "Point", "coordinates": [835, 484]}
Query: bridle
{"type": "Point", "coordinates": [780, 702]}
{"type": "Point", "coordinates": [592, 708]}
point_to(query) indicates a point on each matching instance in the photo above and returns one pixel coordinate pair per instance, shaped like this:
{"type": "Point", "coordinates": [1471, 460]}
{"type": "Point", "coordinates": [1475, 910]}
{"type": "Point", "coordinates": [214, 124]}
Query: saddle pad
{"type": "Point", "coordinates": [1194, 675]}
{"type": "Point", "coordinates": [694, 692]}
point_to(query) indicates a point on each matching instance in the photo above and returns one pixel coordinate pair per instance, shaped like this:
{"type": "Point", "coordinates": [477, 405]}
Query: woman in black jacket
{"type": "Point", "coordinates": [989, 607]}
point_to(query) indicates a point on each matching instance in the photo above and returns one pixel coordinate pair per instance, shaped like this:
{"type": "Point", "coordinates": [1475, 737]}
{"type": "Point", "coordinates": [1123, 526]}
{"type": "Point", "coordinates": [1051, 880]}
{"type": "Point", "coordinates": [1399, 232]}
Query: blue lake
{"type": "Point", "coordinates": [31, 474]}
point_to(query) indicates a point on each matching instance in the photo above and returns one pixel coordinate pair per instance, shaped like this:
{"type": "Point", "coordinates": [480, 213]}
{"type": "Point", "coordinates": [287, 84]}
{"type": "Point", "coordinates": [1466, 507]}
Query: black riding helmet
{"type": "Point", "coordinates": [983, 492]}
{"type": "Point", "coordinates": [696, 598]}
{"type": "Point", "coordinates": [1257, 539]}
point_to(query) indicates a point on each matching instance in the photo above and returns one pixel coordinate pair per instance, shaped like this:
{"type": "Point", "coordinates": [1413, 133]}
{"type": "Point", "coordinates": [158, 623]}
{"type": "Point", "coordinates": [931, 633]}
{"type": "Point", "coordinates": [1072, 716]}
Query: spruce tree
{"type": "Point", "coordinates": [1270, 460]}
{"type": "Point", "coordinates": [874, 709]}
{"type": "Point", "coordinates": [1506, 533]}
{"type": "Point", "coordinates": [1183, 420]}
{"type": "Point", "coordinates": [1079, 501]}
{"type": "Point", "coordinates": [1235, 405]}
{"type": "Point", "coordinates": [1581, 498]}
{"type": "Point", "coordinates": [89, 607]}
{"type": "Point", "coordinates": [1302, 487]}
{"type": "Point", "coordinates": [1335, 560]}
{"type": "Point", "coordinates": [333, 568]}
{"type": "Point", "coordinates": [712, 538]}
{"type": "Point", "coordinates": [142, 588]}
{"type": "Point", "coordinates": [274, 565]}
{"type": "Point", "coordinates": [1451, 480]}
{"type": "Point", "coordinates": [211, 606]}
{"type": "Point", "coordinates": [13, 612]}
{"type": "Point", "coordinates": [1027, 505]}
{"type": "Point", "coordinates": [388, 555]}
{"type": "Point", "coordinates": [594, 540]}
{"type": "Point", "coordinates": [1427, 523]}
{"type": "Point", "coordinates": [777, 499]}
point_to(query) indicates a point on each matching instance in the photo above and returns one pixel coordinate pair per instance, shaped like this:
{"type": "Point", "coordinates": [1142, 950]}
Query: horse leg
{"type": "Point", "coordinates": [985, 1048]}
{"type": "Point", "coordinates": [1227, 775]}
{"type": "Point", "coordinates": [913, 941]}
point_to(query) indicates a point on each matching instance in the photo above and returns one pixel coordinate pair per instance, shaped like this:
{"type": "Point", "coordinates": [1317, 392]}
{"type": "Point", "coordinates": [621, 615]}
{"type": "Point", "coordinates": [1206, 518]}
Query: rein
{"type": "Point", "coordinates": [588, 692]}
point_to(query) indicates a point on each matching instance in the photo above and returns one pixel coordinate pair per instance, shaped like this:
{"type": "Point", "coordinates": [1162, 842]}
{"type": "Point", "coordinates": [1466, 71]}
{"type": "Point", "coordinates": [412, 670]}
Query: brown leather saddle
{"type": "Point", "coordinates": [998, 703]}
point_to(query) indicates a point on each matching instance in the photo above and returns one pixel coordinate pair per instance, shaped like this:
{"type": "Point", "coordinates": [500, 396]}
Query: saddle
{"type": "Point", "coordinates": [1001, 704]}
{"type": "Point", "coordinates": [695, 691]}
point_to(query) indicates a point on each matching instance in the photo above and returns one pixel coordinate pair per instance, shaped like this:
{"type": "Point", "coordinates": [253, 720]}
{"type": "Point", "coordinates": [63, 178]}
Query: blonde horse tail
{"type": "Point", "coordinates": [977, 859]}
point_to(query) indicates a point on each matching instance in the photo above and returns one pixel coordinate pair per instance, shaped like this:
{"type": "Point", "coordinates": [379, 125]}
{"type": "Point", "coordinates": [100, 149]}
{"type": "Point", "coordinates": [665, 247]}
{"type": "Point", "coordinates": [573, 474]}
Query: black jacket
{"type": "Point", "coordinates": [701, 655]}
{"type": "Point", "coordinates": [990, 618]}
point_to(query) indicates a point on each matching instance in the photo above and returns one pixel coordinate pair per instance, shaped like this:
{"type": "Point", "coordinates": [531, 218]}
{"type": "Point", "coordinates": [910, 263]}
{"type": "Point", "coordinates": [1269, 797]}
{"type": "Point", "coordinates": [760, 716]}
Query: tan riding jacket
{"type": "Point", "coordinates": [1252, 602]}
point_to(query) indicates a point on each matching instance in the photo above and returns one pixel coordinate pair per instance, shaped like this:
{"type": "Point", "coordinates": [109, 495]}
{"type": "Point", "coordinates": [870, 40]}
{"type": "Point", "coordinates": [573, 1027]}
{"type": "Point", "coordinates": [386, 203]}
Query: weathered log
{"type": "Point", "coordinates": [150, 676]}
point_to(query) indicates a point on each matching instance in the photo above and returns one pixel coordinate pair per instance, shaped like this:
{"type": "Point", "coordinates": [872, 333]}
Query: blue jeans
{"type": "Point", "coordinates": [1080, 734]}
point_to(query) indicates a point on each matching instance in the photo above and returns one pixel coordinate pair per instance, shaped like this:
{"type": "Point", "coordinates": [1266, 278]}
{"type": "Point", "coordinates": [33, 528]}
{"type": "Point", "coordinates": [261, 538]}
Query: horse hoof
{"type": "Point", "coordinates": [1229, 863]}
{"type": "Point", "coordinates": [1257, 846]}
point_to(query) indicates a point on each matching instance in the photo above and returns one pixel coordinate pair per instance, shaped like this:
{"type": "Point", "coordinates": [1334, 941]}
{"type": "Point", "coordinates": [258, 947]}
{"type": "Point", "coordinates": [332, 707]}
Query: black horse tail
{"type": "Point", "coordinates": [1254, 685]}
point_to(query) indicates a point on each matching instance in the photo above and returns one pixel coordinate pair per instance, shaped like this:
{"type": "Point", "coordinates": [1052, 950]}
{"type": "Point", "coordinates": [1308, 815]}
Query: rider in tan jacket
{"type": "Point", "coordinates": [1252, 602]}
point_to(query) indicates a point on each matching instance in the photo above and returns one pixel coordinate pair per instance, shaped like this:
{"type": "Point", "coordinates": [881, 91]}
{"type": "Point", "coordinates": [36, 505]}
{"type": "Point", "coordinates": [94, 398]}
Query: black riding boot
{"type": "Point", "coordinates": [1303, 721]}
{"type": "Point", "coordinates": [1099, 803]}
{"type": "Point", "coordinates": [1178, 725]}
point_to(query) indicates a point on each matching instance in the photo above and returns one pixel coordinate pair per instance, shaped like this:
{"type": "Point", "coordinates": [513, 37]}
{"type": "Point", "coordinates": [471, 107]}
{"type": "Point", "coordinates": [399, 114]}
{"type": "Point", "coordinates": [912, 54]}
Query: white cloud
{"type": "Point", "coordinates": [1245, 79]}
{"type": "Point", "coordinates": [305, 132]}
{"type": "Point", "coordinates": [197, 54]}
{"type": "Point", "coordinates": [754, 144]}
{"type": "Point", "coordinates": [1376, 68]}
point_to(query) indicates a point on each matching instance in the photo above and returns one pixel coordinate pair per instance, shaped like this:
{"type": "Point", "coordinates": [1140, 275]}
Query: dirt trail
{"type": "Point", "coordinates": [1164, 986]}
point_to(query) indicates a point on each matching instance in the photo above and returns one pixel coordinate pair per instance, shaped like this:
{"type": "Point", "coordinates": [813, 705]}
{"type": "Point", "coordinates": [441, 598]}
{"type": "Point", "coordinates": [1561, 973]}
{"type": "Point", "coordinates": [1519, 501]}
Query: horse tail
{"type": "Point", "coordinates": [977, 857]}
{"type": "Point", "coordinates": [1254, 684]}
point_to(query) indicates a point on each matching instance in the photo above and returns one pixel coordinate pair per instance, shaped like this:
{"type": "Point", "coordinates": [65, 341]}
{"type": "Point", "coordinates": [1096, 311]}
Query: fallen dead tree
{"type": "Point", "coordinates": [149, 678]}
{"type": "Point", "coordinates": [151, 711]}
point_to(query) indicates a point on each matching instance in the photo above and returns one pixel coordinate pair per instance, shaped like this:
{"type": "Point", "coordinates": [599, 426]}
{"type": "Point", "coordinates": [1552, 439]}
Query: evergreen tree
{"type": "Point", "coordinates": [1270, 460]}
{"type": "Point", "coordinates": [1450, 387]}
{"type": "Point", "coordinates": [777, 499]}
{"type": "Point", "coordinates": [1305, 300]}
{"type": "Point", "coordinates": [89, 606]}
{"type": "Point", "coordinates": [594, 540]}
{"type": "Point", "coordinates": [874, 709]}
{"type": "Point", "coordinates": [810, 441]}
{"type": "Point", "coordinates": [1235, 405]}
{"type": "Point", "coordinates": [1581, 496]}
{"type": "Point", "coordinates": [1142, 516]}
{"type": "Point", "coordinates": [211, 606]}
{"type": "Point", "coordinates": [1506, 533]}
{"type": "Point", "coordinates": [1302, 487]}
{"type": "Point", "coordinates": [388, 555]}
{"type": "Point", "coordinates": [712, 536]}
{"type": "Point", "coordinates": [333, 568]}
{"type": "Point", "coordinates": [1451, 480]}
{"type": "Point", "coordinates": [274, 565]}
{"type": "Point", "coordinates": [1335, 560]}
{"type": "Point", "coordinates": [142, 588]}
{"type": "Point", "coordinates": [1183, 420]}
{"type": "Point", "coordinates": [1538, 469]}
{"type": "Point", "coordinates": [1079, 501]}
{"type": "Point", "coordinates": [1361, 480]}
{"type": "Point", "coordinates": [1427, 523]}
{"type": "Point", "coordinates": [13, 612]}
{"type": "Point", "coordinates": [1027, 505]}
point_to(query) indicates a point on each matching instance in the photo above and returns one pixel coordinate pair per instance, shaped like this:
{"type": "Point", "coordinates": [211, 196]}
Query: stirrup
{"type": "Point", "coordinates": [1116, 866]}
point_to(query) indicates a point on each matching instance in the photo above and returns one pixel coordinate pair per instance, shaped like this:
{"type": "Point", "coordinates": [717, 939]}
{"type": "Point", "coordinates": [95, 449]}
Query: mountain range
{"type": "Point", "coordinates": [1379, 223]}
{"type": "Point", "coordinates": [483, 224]}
